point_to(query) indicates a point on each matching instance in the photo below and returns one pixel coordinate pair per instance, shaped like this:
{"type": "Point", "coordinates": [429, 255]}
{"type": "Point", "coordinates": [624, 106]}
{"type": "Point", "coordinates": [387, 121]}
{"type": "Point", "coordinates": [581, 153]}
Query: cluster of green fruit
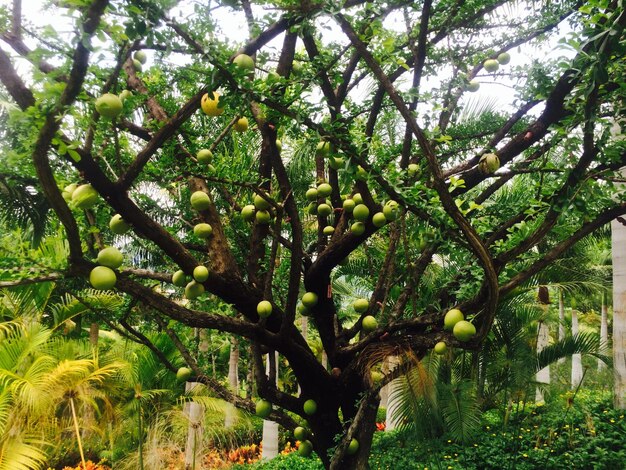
{"type": "Point", "coordinates": [103, 277]}
{"type": "Point", "coordinates": [461, 329]}
{"type": "Point", "coordinates": [80, 197]}
{"type": "Point", "coordinates": [259, 211]}
{"type": "Point", "coordinates": [490, 65]}
{"type": "Point", "coordinates": [369, 323]}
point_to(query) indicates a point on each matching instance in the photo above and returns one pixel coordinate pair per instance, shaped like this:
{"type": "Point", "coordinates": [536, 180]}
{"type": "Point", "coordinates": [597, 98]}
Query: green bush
{"type": "Point", "coordinates": [290, 461]}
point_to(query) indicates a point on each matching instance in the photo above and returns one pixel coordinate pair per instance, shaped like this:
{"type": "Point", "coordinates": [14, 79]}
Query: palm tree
{"type": "Point", "coordinates": [618, 231]}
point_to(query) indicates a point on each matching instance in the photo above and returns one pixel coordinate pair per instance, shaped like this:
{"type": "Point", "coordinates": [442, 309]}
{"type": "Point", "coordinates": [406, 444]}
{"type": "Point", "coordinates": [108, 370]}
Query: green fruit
{"type": "Point", "coordinates": [305, 448]}
{"type": "Point", "coordinates": [412, 169]}
{"type": "Point", "coordinates": [193, 290]}
{"type": "Point", "coordinates": [360, 174]}
{"type": "Point", "coordinates": [118, 226]}
{"type": "Point", "coordinates": [245, 62]}
{"type": "Point", "coordinates": [183, 373]}
{"type": "Point", "coordinates": [440, 348]}
{"type": "Point", "coordinates": [311, 194]}
{"type": "Point", "coordinates": [336, 163]}
{"type": "Point", "coordinates": [472, 86]}
{"type": "Point", "coordinates": [369, 324]}
{"type": "Point", "coordinates": [352, 447]}
{"type": "Point", "coordinates": [203, 230]}
{"type": "Point", "coordinates": [357, 228]}
{"type": "Point", "coordinates": [84, 197]}
{"type": "Point", "coordinates": [263, 408]}
{"type": "Point", "coordinates": [179, 279]}
{"type": "Point", "coordinates": [361, 213]}
{"type": "Point", "coordinates": [137, 65]}
{"type": "Point", "coordinates": [452, 318]}
{"type": "Point", "coordinates": [311, 209]}
{"type": "Point", "coordinates": [247, 213]}
{"type": "Point", "coordinates": [264, 308]}
{"type": "Point", "coordinates": [357, 198]}
{"type": "Point", "coordinates": [279, 145]}
{"type": "Point", "coordinates": [200, 273]}
{"type": "Point", "coordinates": [379, 219]}
{"type": "Point", "coordinates": [109, 105]}
{"type": "Point", "coordinates": [491, 65]}
{"type": "Point", "coordinates": [110, 257]}
{"type": "Point", "coordinates": [200, 201]}
{"type": "Point", "coordinates": [463, 331]}
{"type": "Point", "coordinates": [377, 377]}
{"type": "Point", "coordinates": [349, 205]}
{"type": "Point", "coordinates": [263, 217]}
{"type": "Point", "coordinates": [391, 210]}
{"type": "Point", "coordinates": [322, 149]}
{"type": "Point", "coordinates": [261, 203]}
{"type": "Point", "coordinates": [211, 105]}
{"type": "Point", "coordinates": [300, 433]}
{"type": "Point", "coordinates": [361, 305]}
{"type": "Point", "coordinates": [241, 125]}
{"type": "Point", "coordinates": [140, 56]}
{"type": "Point", "coordinates": [324, 190]}
{"type": "Point", "coordinates": [68, 190]}
{"type": "Point", "coordinates": [310, 407]}
{"type": "Point", "coordinates": [324, 210]}
{"type": "Point", "coordinates": [489, 163]}
{"type": "Point", "coordinates": [102, 277]}
{"type": "Point", "coordinates": [204, 156]}
{"type": "Point", "coordinates": [309, 300]}
{"type": "Point", "coordinates": [302, 310]}
{"type": "Point", "coordinates": [125, 94]}
{"type": "Point", "coordinates": [504, 58]}
{"type": "Point", "coordinates": [329, 230]}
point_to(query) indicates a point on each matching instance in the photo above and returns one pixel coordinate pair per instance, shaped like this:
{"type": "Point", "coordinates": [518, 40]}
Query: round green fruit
{"type": "Point", "coordinates": [125, 94]}
{"type": "Point", "coordinates": [137, 65]}
{"type": "Point", "coordinates": [369, 324]}
{"type": "Point", "coordinates": [84, 197]}
{"type": "Point", "coordinates": [309, 300]}
{"type": "Point", "coordinates": [203, 230]}
{"type": "Point", "coordinates": [179, 279]}
{"type": "Point", "coordinates": [302, 310]}
{"type": "Point", "coordinates": [200, 273]}
{"type": "Point", "coordinates": [324, 190]}
{"type": "Point", "coordinates": [379, 219]}
{"type": "Point", "coordinates": [102, 277]}
{"type": "Point", "coordinates": [391, 210]}
{"type": "Point", "coordinates": [452, 318]}
{"type": "Point", "coordinates": [204, 156]}
{"type": "Point", "coordinates": [440, 348]}
{"type": "Point", "coordinates": [200, 201]}
{"type": "Point", "coordinates": [489, 163]}
{"type": "Point", "coordinates": [245, 62]}
{"type": "Point", "coordinates": [329, 230]}
{"type": "Point", "coordinates": [357, 198]}
{"type": "Point", "coordinates": [360, 174]}
{"type": "Point", "coordinates": [311, 194]}
{"type": "Point", "coordinates": [140, 56]}
{"type": "Point", "coordinates": [193, 290]}
{"type": "Point", "coordinates": [210, 105]}
{"type": "Point", "coordinates": [361, 305]}
{"type": "Point", "coordinates": [464, 330]}
{"type": "Point", "coordinates": [118, 226]}
{"type": "Point", "coordinates": [247, 212]}
{"type": "Point", "coordinates": [322, 149]}
{"type": "Point", "coordinates": [110, 257]}
{"type": "Point", "coordinates": [264, 308]}
{"type": "Point", "coordinates": [311, 209]}
{"type": "Point", "coordinates": [263, 408]}
{"type": "Point", "coordinates": [412, 169]}
{"type": "Point", "coordinates": [109, 105]}
{"type": "Point", "coordinates": [491, 65]}
{"type": "Point", "coordinates": [472, 86]}
{"type": "Point", "coordinates": [241, 125]}
{"type": "Point", "coordinates": [260, 203]}
{"type": "Point", "coordinates": [68, 191]}
{"type": "Point", "coordinates": [324, 210]}
{"type": "Point", "coordinates": [300, 433]}
{"type": "Point", "coordinates": [357, 228]}
{"type": "Point", "coordinates": [504, 58]}
{"type": "Point", "coordinates": [310, 407]}
{"type": "Point", "coordinates": [263, 217]}
{"type": "Point", "coordinates": [353, 447]}
{"type": "Point", "coordinates": [305, 448]}
{"type": "Point", "coordinates": [361, 213]}
{"type": "Point", "coordinates": [183, 373]}
{"type": "Point", "coordinates": [336, 163]}
{"type": "Point", "coordinates": [348, 206]}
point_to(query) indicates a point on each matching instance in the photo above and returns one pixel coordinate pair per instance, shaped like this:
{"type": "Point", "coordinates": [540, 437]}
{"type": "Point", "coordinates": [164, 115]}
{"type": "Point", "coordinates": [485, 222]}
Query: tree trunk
{"type": "Point", "coordinates": [194, 413]}
{"type": "Point", "coordinates": [270, 428]}
{"type": "Point", "coordinates": [233, 381]}
{"type": "Point", "coordinates": [561, 321]}
{"type": "Point", "coordinates": [618, 231]}
{"type": "Point", "coordinates": [94, 333]}
{"type": "Point", "coordinates": [391, 421]}
{"type": "Point", "coordinates": [543, 376]}
{"type": "Point", "coordinates": [577, 365]}
{"type": "Point", "coordinates": [604, 330]}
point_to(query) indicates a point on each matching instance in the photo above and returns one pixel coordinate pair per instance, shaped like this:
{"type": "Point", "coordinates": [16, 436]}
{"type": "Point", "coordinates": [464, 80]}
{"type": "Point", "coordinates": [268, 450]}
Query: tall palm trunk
{"type": "Point", "coordinates": [543, 376]}
{"type": "Point", "coordinates": [77, 431]}
{"type": "Point", "coordinates": [233, 380]}
{"type": "Point", "coordinates": [604, 329]}
{"type": "Point", "coordinates": [391, 418]}
{"type": "Point", "coordinates": [194, 412]}
{"type": "Point", "coordinates": [270, 428]}
{"type": "Point", "coordinates": [577, 365]}
{"type": "Point", "coordinates": [561, 321]}
{"type": "Point", "coordinates": [618, 242]}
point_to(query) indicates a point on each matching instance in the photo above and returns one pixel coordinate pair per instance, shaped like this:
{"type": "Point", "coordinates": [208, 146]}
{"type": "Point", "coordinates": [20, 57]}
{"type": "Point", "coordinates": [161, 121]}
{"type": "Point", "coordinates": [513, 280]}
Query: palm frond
{"type": "Point", "coordinates": [459, 409]}
{"type": "Point", "coordinates": [582, 343]}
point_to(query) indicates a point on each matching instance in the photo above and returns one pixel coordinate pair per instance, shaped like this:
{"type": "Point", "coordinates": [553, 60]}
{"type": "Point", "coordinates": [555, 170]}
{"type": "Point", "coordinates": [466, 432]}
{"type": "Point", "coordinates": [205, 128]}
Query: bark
{"type": "Point", "coordinates": [618, 241]}
{"type": "Point", "coordinates": [194, 412]}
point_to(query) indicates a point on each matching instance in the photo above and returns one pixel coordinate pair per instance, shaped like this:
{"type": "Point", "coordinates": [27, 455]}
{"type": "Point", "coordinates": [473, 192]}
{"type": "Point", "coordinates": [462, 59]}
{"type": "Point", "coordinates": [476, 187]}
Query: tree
{"type": "Point", "coordinates": [374, 113]}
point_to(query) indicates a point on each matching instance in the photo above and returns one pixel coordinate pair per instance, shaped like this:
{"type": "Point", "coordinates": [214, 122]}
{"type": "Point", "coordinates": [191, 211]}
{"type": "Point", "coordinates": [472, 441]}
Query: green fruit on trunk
{"type": "Point", "coordinates": [504, 58]}
{"type": "Point", "coordinates": [309, 300]}
{"type": "Point", "coordinates": [193, 290]}
{"type": "Point", "coordinates": [361, 213]}
{"type": "Point", "coordinates": [264, 308]}
{"type": "Point", "coordinates": [179, 279]}
{"type": "Point", "coordinates": [245, 62]}
{"type": "Point", "coordinates": [261, 203]}
{"type": "Point", "coordinates": [360, 174]}
{"type": "Point", "coordinates": [491, 65]}
{"type": "Point", "coordinates": [357, 228]}
{"type": "Point", "coordinates": [336, 163]}
{"type": "Point", "coordinates": [263, 408]}
{"type": "Point", "coordinates": [348, 206]}
{"type": "Point", "coordinates": [118, 226]}
{"type": "Point", "coordinates": [452, 317]}
{"type": "Point", "coordinates": [328, 230]}
{"type": "Point", "coordinates": [391, 210]}
{"type": "Point", "coordinates": [300, 433]}
{"type": "Point", "coordinates": [302, 310]}
{"type": "Point", "coordinates": [204, 156]}
{"type": "Point", "coordinates": [412, 169]}
{"type": "Point", "coordinates": [472, 86]}
{"type": "Point", "coordinates": [247, 212]}
{"type": "Point", "coordinates": [369, 324]}
{"type": "Point", "coordinates": [464, 330]}
{"type": "Point", "coordinates": [379, 219]}
{"type": "Point", "coordinates": [102, 277]}
{"type": "Point", "coordinates": [353, 447]}
{"type": "Point", "coordinates": [263, 217]}
{"type": "Point", "coordinates": [322, 149]}
{"type": "Point", "coordinates": [211, 105]}
{"type": "Point", "coordinates": [305, 448]}
{"type": "Point", "coordinates": [109, 105]}
{"type": "Point", "coordinates": [125, 94]}
{"type": "Point", "coordinates": [84, 197]}
{"type": "Point", "coordinates": [489, 163]}
{"type": "Point", "coordinates": [183, 373]}
{"type": "Point", "coordinates": [203, 230]}
{"type": "Point", "coordinates": [241, 125]}
{"type": "Point", "coordinates": [200, 273]}
{"type": "Point", "coordinates": [310, 407]}
{"type": "Point", "coordinates": [140, 56]}
{"type": "Point", "coordinates": [311, 209]}
{"type": "Point", "coordinates": [440, 348]}
{"type": "Point", "coordinates": [68, 191]}
{"type": "Point", "coordinates": [357, 198]}
{"type": "Point", "coordinates": [311, 194]}
{"type": "Point", "coordinates": [361, 305]}
{"type": "Point", "coordinates": [324, 190]}
{"type": "Point", "coordinates": [200, 201]}
{"type": "Point", "coordinates": [110, 257]}
{"type": "Point", "coordinates": [324, 210]}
